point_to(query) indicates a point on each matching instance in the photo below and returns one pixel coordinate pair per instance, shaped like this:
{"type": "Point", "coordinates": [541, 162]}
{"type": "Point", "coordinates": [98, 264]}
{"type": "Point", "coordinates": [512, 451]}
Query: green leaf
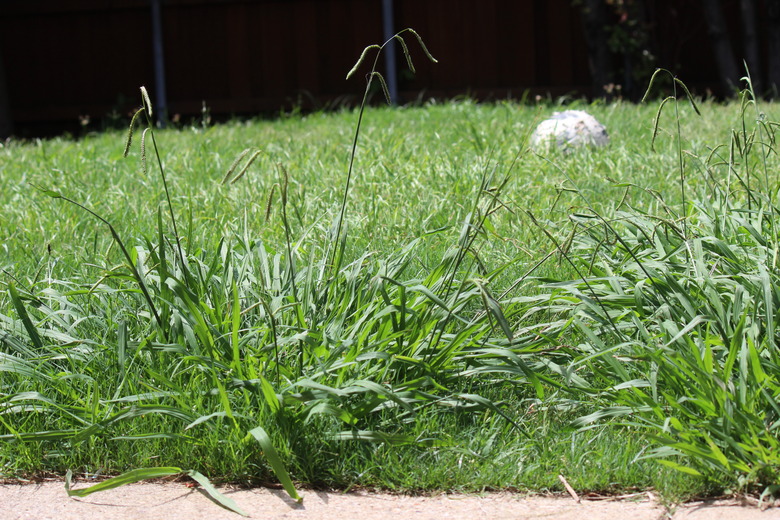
{"type": "Point", "coordinates": [216, 496]}
{"type": "Point", "coordinates": [204, 418]}
{"type": "Point", "coordinates": [428, 293]}
{"type": "Point", "coordinates": [270, 395]}
{"type": "Point", "coordinates": [125, 478]}
{"type": "Point", "coordinates": [679, 467]}
{"type": "Point", "coordinates": [393, 439]}
{"type": "Point", "coordinates": [32, 331]}
{"type": "Point", "coordinates": [146, 436]}
{"type": "Point", "coordinates": [604, 413]}
{"type": "Point", "coordinates": [121, 347]}
{"type": "Point", "coordinates": [51, 193]}
{"type": "Point", "coordinates": [493, 307]}
{"type": "Point", "coordinates": [272, 456]}
{"type": "Point", "coordinates": [50, 435]}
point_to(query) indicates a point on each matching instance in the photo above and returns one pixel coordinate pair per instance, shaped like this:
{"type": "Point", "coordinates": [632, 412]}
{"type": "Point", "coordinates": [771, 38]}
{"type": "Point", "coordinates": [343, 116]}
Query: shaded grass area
{"type": "Point", "coordinates": [480, 458]}
{"type": "Point", "coordinates": [487, 329]}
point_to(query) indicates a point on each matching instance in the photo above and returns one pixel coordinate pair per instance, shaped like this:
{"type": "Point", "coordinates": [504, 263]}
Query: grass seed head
{"type": "Point", "coordinates": [147, 101]}
{"type": "Point", "coordinates": [129, 139]}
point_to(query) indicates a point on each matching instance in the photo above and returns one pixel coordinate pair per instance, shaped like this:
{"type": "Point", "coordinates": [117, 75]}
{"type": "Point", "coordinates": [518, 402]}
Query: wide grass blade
{"type": "Point", "coordinates": [214, 494]}
{"type": "Point", "coordinates": [494, 309]}
{"type": "Point", "coordinates": [18, 304]}
{"type": "Point", "coordinates": [135, 475]}
{"type": "Point", "coordinates": [272, 456]}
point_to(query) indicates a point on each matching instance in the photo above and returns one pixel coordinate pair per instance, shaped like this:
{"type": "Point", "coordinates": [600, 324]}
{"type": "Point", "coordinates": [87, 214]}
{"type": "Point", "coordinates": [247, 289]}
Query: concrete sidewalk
{"type": "Point", "coordinates": [172, 501]}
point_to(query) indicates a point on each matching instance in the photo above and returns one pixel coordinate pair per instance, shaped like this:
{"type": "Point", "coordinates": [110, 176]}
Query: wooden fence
{"type": "Point", "coordinates": [66, 59]}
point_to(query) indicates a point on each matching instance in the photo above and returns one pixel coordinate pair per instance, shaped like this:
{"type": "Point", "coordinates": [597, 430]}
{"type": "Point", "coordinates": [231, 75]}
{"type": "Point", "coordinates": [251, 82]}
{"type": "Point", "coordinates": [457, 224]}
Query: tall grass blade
{"type": "Point", "coordinates": [220, 499]}
{"type": "Point", "coordinates": [494, 309]}
{"type": "Point", "coordinates": [18, 304]}
{"type": "Point", "coordinates": [272, 456]}
{"type": "Point", "coordinates": [130, 477]}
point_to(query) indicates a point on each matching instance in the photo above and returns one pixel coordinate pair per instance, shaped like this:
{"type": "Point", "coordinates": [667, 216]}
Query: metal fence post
{"type": "Point", "coordinates": [390, 69]}
{"type": "Point", "coordinates": [161, 101]}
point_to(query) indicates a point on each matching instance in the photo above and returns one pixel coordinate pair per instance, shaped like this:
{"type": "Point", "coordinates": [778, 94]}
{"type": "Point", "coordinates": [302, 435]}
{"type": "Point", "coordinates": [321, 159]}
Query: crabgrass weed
{"type": "Point", "coordinates": [456, 313]}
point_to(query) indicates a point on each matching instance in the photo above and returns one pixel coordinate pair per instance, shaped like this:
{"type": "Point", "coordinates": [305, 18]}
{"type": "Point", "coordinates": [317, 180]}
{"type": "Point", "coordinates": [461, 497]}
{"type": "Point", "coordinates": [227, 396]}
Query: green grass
{"type": "Point", "coordinates": [499, 318]}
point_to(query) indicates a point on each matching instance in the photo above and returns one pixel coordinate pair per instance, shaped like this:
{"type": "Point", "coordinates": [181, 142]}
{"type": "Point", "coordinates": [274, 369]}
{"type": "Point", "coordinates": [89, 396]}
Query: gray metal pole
{"type": "Point", "coordinates": [390, 69]}
{"type": "Point", "coordinates": [161, 100]}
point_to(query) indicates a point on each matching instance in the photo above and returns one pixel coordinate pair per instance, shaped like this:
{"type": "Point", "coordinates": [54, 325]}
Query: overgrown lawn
{"type": "Point", "coordinates": [490, 318]}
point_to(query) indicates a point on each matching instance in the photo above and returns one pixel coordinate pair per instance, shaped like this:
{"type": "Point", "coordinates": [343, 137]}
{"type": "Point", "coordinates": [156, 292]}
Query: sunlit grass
{"type": "Point", "coordinates": [484, 303]}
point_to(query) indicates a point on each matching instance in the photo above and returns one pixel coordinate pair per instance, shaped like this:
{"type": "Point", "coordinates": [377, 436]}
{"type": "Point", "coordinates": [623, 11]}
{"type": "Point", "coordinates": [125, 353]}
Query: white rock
{"type": "Point", "coordinates": [568, 130]}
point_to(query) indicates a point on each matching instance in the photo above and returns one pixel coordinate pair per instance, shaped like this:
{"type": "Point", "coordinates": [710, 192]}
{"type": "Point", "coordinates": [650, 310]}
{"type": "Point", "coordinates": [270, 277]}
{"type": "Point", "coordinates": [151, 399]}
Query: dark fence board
{"type": "Point", "coordinates": [88, 57]}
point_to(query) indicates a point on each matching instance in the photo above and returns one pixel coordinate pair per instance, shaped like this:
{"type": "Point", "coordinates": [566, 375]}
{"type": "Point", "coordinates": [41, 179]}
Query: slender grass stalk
{"type": "Point", "coordinates": [681, 162]}
{"type": "Point", "coordinates": [338, 251]}
{"type": "Point", "coordinates": [130, 263]}
{"type": "Point", "coordinates": [147, 111]}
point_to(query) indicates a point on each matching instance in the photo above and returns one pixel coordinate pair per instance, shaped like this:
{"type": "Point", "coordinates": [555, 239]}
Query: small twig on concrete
{"type": "Point", "coordinates": [570, 489]}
